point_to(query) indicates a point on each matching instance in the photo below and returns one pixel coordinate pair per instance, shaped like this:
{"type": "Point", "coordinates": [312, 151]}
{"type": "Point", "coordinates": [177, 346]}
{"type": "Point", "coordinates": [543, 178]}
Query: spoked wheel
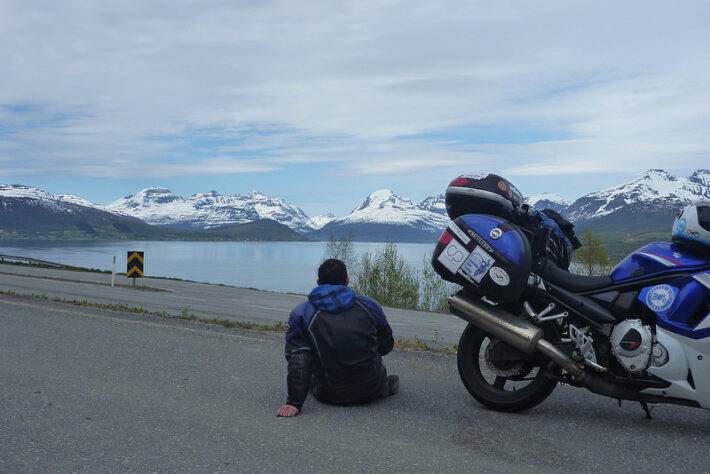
{"type": "Point", "coordinates": [498, 375]}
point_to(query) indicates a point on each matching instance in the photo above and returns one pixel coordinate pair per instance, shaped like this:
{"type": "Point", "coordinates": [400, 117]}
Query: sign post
{"type": "Point", "coordinates": [134, 265]}
{"type": "Point", "coordinates": [113, 272]}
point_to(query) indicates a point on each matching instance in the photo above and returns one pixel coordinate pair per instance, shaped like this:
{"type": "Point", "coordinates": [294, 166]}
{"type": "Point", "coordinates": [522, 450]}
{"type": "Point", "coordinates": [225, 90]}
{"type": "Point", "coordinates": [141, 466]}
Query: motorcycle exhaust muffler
{"type": "Point", "coordinates": [516, 332]}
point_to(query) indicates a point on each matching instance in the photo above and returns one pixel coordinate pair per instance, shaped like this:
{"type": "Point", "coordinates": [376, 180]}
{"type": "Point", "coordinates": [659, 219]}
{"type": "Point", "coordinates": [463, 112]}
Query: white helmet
{"type": "Point", "coordinates": [691, 228]}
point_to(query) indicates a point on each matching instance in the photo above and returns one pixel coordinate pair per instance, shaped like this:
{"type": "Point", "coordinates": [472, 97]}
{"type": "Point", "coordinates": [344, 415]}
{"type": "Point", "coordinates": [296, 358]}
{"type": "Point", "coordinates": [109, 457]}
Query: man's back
{"type": "Point", "coordinates": [334, 345]}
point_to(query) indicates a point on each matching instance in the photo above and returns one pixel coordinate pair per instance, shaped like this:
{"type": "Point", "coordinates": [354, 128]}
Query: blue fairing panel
{"type": "Point", "coordinates": [654, 259]}
{"type": "Point", "coordinates": [681, 306]}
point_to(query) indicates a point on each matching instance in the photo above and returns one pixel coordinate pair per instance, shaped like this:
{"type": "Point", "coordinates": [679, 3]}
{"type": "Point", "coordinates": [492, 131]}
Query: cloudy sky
{"type": "Point", "coordinates": [323, 102]}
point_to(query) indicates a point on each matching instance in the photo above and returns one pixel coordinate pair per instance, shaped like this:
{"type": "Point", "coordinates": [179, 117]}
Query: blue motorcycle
{"type": "Point", "coordinates": [641, 333]}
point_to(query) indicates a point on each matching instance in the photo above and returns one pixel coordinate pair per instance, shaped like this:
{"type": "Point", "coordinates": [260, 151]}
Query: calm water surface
{"type": "Point", "coordinates": [275, 266]}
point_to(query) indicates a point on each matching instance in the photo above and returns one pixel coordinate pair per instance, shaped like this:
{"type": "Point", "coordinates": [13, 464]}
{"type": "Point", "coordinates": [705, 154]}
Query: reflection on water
{"type": "Point", "coordinates": [275, 266]}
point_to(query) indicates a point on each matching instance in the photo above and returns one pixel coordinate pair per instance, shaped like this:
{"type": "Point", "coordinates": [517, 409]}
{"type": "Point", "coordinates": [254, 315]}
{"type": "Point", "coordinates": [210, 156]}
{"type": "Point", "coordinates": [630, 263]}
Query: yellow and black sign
{"type": "Point", "coordinates": [135, 265]}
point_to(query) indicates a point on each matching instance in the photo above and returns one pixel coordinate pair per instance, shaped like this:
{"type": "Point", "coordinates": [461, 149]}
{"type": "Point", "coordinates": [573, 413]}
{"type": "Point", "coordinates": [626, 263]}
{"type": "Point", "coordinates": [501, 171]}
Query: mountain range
{"type": "Point", "coordinates": [31, 213]}
{"type": "Point", "coordinates": [646, 204]}
{"type": "Point", "coordinates": [160, 206]}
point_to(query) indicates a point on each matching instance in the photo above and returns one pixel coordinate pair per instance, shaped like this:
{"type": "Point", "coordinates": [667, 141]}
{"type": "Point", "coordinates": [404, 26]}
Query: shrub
{"type": "Point", "coordinates": [385, 276]}
{"type": "Point", "coordinates": [434, 292]}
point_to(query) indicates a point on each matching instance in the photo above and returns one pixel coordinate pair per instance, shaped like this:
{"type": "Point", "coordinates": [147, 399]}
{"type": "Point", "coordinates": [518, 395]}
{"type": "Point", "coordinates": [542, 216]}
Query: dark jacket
{"type": "Point", "coordinates": [339, 337]}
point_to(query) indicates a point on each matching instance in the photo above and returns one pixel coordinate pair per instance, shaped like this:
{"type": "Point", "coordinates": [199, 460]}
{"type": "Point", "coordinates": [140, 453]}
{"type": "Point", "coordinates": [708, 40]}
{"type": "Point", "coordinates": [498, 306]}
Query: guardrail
{"type": "Point", "coordinates": [35, 261]}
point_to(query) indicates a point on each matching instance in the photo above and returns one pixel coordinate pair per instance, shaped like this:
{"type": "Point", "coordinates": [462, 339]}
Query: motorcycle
{"type": "Point", "coordinates": [641, 333]}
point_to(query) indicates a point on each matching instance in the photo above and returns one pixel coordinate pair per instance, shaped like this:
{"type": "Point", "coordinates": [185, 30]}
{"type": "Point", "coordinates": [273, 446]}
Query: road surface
{"type": "Point", "coordinates": [204, 300]}
{"type": "Point", "coordinates": [85, 389]}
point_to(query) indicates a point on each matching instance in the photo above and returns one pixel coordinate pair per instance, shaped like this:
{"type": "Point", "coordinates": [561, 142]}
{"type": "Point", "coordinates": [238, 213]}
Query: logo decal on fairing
{"type": "Point", "coordinates": [660, 298]}
{"type": "Point", "coordinates": [681, 225]}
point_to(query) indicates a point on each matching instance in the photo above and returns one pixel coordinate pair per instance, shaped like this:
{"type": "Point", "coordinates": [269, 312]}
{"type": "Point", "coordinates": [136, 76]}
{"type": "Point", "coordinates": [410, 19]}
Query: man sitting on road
{"type": "Point", "coordinates": [334, 345]}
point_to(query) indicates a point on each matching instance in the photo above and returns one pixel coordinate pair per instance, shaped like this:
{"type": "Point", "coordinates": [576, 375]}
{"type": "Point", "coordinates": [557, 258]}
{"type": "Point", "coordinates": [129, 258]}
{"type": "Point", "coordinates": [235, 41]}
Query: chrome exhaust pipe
{"type": "Point", "coordinates": [516, 332]}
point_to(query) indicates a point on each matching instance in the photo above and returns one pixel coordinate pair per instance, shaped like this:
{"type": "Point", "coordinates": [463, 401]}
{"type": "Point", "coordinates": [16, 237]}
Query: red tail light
{"type": "Point", "coordinates": [460, 181]}
{"type": "Point", "coordinates": [446, 237]}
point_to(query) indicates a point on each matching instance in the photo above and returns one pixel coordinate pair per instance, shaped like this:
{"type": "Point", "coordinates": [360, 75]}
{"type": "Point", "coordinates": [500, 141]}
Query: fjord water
{"type": "Point", "coordinates": [273, 266]}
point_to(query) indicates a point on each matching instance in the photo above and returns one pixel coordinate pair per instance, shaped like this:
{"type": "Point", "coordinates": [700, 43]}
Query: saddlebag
{"type": "Point", "coordinates": [486, 255]}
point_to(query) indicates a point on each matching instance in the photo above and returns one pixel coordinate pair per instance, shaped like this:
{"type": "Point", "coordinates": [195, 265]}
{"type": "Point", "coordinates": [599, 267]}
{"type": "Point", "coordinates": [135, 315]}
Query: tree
{"type": "Point", "coordinates": [342, 249]}
{"type": "Point", "coordinates": [388, 278]}
{"type": "Point", "coordinates": [591, 258]}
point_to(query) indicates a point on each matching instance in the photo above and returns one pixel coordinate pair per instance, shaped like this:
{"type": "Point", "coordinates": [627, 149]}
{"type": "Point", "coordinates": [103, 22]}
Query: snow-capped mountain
{"type": "Point", "coordinates": [160, 206]}
{"type": "Point", "coordinates": [28, 212]}
{"type": "Point", "coordinates": [548, 201]}
{"type": "Point", "coordinates": [40, 197]}
{"type": "Point", "coordinates": [657, 191]}
{"type": "Point", "coordinates": [320, 221]}
{"type": "Point", "coordinates": [384, 207]}
{"type": "Point", "coordinates": [701, 177]}
{"type": "Point", "coordinates": [385, 216]}
{"type": "Point", "coordinates": [434, 203]}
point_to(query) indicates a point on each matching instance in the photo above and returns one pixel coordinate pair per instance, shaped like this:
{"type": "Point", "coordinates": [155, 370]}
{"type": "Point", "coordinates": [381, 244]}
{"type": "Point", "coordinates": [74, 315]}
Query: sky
{"type": "Point", "coordinates": [321, 103]}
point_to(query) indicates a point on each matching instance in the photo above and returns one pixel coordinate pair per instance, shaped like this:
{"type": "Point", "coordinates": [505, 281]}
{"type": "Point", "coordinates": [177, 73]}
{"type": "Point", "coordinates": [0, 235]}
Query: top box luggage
{"type": "Point", "coordinates": [482, 194]}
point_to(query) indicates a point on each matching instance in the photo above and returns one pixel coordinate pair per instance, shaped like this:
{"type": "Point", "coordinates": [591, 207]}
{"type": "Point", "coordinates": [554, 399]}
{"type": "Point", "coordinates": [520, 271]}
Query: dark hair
{"type": "Point", "coordinates": [332, 272]}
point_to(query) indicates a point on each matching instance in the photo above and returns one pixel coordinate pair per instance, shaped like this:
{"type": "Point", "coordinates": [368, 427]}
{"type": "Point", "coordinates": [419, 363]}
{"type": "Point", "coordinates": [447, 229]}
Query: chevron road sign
{"type": "Point", "coordinates": [134, 265]}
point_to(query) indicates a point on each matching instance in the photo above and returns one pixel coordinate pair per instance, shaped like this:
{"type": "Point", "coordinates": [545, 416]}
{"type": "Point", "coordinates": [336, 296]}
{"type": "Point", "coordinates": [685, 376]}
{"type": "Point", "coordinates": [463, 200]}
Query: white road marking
{"type": "Point", "coordinates": [266, 307]}
{"type": "Point", "coordinates": [395, 324]}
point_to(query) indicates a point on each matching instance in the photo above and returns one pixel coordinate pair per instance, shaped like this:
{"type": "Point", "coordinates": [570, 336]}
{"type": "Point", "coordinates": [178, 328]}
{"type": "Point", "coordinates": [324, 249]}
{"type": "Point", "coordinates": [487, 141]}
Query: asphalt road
{"type": "Point", "coordinates": [203, 300]}
{"type": "Point", "coordinates": [90, 390]}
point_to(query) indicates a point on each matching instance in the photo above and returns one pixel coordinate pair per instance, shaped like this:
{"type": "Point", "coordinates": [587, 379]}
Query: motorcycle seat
{"type": "Point", "coordinates": [571, 281]}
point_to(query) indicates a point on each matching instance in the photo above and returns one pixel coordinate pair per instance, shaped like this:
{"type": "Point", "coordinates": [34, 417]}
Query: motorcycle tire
{"type": "Point", "coordinates": [471, 355]}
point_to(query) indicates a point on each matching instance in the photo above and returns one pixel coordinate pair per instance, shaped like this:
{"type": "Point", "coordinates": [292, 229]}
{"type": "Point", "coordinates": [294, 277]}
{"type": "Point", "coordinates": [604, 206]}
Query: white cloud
{"type": "Point", "coordinates": [620, 85]}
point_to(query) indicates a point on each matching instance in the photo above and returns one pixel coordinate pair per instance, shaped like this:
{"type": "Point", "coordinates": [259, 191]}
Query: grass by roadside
{"type": "Point", "coordinates": [184, 315]}
{"type": "Point", "coordinates": [138, 287]}
{"type": "Point", "coordinates": [71, 280]}
{"type": "Point", "coordinates": [417, 344]}
{"type": "Point", "coordinates": [53, 267]}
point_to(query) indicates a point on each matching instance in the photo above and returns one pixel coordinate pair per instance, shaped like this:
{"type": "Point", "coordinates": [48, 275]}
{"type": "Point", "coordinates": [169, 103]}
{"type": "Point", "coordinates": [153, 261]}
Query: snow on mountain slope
{"type": "Point", "coordinates": [150, 204]}
{"type": "Point", "coordinates": [320, 221]}
{"type": "Point", "coordinates": [70, 198]}
{"type": "Point", "coordinates": [657, 190]}
{"type": "Point", "coordinates": [384, 207]}
{"type": "Point", "coordinates": [434, 203]}
{"type": "Point", "coordinates": [60, 202]}
{"type": "Point", "coordinates": [21, 191]}
{"type": "Point", "coordinates": [548, 201]}
{"type": "Point", "coordinates": [701, 177]}
{"type": "Point", "coordinates": [160, 206]}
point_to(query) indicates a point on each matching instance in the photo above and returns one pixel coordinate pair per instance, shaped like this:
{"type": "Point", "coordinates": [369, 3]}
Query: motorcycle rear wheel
{"type": "Point", "coordinates": [498, 376]}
